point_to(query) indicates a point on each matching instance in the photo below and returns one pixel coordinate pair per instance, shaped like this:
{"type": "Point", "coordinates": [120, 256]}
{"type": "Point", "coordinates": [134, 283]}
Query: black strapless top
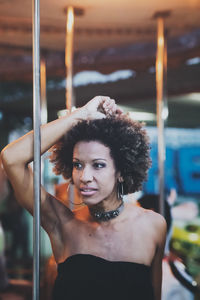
{"type": "Point", "coordinates": [88, 277]}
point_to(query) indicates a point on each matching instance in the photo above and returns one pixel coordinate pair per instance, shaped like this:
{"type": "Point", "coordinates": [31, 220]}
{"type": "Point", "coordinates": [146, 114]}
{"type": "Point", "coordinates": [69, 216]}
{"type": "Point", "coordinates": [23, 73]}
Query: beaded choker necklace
{"type": "Point", "coordinates": [107, 215]}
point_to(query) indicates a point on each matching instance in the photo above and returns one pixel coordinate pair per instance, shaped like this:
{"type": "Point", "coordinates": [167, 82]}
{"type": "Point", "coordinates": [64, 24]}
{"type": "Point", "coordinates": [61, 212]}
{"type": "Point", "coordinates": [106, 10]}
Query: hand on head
{"type": "Point", "coordinates": [100, 107]}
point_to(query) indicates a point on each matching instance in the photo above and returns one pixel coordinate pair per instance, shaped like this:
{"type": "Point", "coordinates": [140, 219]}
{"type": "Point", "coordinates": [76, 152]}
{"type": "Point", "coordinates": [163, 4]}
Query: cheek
{"type": "Point", "coordinates": [108, 188]}
{"type": "Point", "coordinates": [108, 180]}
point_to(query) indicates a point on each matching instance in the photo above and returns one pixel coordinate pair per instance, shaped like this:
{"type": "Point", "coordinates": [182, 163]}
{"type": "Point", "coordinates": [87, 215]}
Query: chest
{"type": "Point", "coordinates": [119, 242]}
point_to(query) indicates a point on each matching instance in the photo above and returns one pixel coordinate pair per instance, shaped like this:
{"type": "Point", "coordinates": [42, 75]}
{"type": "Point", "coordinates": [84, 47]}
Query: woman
{"type": "Point", "coordinates": [106, 249]}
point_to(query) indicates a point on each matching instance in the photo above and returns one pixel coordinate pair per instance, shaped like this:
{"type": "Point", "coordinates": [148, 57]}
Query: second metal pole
{"type": "Point", "coordinates": [162, 112]}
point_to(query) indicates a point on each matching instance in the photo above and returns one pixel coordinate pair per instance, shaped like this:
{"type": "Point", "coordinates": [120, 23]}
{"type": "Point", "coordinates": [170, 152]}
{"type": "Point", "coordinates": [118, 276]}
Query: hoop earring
{"type": "Point", "coordinates": [81, 203]}
{"type": "Point", "coordinates": [70, 182]}
{"type": "Point", "coordinates": [120, 190]}
{"type": "Point", "coordinates": [67, 191]}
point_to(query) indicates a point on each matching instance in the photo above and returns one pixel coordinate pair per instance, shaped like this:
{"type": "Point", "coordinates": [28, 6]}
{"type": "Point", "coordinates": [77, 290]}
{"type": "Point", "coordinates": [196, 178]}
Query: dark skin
{"type": "Point", "coordinates": [124, 238]}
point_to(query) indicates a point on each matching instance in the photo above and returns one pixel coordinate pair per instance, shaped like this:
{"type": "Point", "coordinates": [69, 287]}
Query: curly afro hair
{"type": "Point", "coordinates": [126, 139]}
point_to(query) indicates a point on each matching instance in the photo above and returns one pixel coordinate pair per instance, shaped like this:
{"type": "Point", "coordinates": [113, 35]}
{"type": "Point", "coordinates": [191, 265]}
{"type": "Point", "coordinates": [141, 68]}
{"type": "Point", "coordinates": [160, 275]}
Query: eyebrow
{"type": "Point", "coordinates": [92, 160]}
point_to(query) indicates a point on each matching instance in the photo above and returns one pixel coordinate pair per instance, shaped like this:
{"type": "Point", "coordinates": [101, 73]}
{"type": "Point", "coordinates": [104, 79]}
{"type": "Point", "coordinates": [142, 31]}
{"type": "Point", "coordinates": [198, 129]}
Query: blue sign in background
{"type": "Point", "coordinates": [182, 164]}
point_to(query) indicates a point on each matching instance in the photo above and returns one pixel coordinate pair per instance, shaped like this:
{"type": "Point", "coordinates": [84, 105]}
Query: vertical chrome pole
{"type": "Point", "coordinates": [37, 159]}
{"type": "Point", "coordinates": [69, 57]}
{"type": "Point", "coordinates": [162, 111]}
{"type": "Point", "coordinates": [69, 76]}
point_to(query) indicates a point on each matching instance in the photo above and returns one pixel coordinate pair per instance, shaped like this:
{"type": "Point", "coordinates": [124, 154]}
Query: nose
{"type": "Point", "coordinates": [86, 175]}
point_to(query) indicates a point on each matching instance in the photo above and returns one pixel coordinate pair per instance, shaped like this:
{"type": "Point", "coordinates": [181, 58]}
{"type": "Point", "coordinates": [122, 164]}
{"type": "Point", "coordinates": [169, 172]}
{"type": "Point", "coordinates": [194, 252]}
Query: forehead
{"type": "Point", "coordinates": [92, 150]}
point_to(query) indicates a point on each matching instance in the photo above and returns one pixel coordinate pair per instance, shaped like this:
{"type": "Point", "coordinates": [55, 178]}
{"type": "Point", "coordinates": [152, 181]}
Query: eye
{"type": "Point", "coordinates": [99, 165]}
{"type": "Point", "coordinates": [77, 165]}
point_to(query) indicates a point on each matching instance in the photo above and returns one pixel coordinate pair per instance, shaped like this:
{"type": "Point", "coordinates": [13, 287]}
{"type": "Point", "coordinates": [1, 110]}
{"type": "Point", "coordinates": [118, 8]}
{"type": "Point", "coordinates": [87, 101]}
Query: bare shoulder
{"type": "Point", "coordinates": [156, 218]}
{"type": "Point", "coordinates": [158, 225]}
{"type": "Point", "coordinates": [154, 222]}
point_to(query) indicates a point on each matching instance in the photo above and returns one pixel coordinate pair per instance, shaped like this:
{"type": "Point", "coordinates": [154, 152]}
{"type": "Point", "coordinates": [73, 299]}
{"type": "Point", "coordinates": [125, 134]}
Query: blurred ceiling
{"type": "Point", "coordinates": [103, 23]}
{"type": "Point", "coordinates": [109, 35]}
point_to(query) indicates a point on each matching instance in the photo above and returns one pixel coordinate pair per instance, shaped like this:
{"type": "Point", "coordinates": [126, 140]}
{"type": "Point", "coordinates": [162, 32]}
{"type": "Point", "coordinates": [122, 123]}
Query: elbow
{"type": "Point", "coordinates": [6, 157]}
{"type": "Point", "coordinates": [10, 166]}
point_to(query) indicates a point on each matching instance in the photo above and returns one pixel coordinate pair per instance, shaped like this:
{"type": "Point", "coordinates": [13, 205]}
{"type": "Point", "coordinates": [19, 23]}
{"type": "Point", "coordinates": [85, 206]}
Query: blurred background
{"type": "Point", "coordinates": [114, 53]}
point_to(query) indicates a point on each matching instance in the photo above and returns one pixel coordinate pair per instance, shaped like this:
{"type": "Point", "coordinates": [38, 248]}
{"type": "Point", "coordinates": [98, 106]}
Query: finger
{"type": "Point", "coordinates": [99, 115]}
{"type": "Point", "coordinates": [106, 104]}
{"type": "Point", "coordinates": [97, 101]}
{"type": "Point", "coordinates": [102, 99]}
{"type": "Point", "coordinates": [108, 101]}
{"type": "Point", "coordinates": [111, 103]}
{"type": "Point", "coordinates": [109, 106]}
{"type": "Point", "coordinates": [112, 110]}
{"type": "Point", "coordinates": [102, 103]}
{"type": "Point", "coordinates": [112, 107]}
{"type": "Point", "coordinates": [119, 110]}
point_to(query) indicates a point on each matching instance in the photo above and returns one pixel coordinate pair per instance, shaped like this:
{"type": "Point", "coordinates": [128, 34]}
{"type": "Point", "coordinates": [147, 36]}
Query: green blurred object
{"type": "Point", "coordinates": [185, 243]}
{"type": "Point", "coordinates": [189, 233]}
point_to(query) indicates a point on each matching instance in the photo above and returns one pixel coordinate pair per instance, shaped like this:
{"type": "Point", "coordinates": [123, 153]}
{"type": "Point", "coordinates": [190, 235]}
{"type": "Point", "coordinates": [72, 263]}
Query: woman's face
{"type": "Point", "coordinates": [94, 174]}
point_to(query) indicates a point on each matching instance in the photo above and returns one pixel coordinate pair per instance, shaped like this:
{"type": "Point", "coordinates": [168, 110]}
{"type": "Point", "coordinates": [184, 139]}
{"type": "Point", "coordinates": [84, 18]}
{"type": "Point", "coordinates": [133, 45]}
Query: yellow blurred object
{"type": "Point", "coordinates": [185, 235]}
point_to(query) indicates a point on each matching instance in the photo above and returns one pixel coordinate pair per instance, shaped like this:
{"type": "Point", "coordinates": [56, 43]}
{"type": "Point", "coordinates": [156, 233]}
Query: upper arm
{"type": "Point", "coordinates": [52, 210]}
{"type": "Point", "coordinates": [157, 260]}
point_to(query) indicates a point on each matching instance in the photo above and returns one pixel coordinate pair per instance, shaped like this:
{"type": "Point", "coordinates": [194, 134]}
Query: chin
{"type": "Point", "coordinates": [90, 202]}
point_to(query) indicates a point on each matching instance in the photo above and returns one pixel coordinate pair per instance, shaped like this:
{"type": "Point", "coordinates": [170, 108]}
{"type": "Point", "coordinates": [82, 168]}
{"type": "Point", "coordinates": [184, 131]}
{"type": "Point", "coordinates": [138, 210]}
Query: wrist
{"type": "Point", "coordinates": [76, 116]}
{"type": "Point", "coordinates": [80, 114]}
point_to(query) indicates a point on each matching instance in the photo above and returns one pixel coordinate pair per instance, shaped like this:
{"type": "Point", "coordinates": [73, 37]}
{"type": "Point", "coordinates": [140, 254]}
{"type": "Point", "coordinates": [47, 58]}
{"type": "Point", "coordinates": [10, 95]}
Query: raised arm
{"type": "Point", "coordinates": [17, 156]}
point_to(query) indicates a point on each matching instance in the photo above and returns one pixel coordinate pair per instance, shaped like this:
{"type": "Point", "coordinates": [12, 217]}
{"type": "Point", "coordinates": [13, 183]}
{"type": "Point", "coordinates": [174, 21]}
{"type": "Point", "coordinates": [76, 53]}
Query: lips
{"type": "Point", "coordinates": [87, 191]}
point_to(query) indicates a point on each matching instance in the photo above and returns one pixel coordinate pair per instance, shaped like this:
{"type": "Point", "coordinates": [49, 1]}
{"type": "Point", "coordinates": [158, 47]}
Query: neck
{"type": "Point", "coordinates": [107, 204]}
